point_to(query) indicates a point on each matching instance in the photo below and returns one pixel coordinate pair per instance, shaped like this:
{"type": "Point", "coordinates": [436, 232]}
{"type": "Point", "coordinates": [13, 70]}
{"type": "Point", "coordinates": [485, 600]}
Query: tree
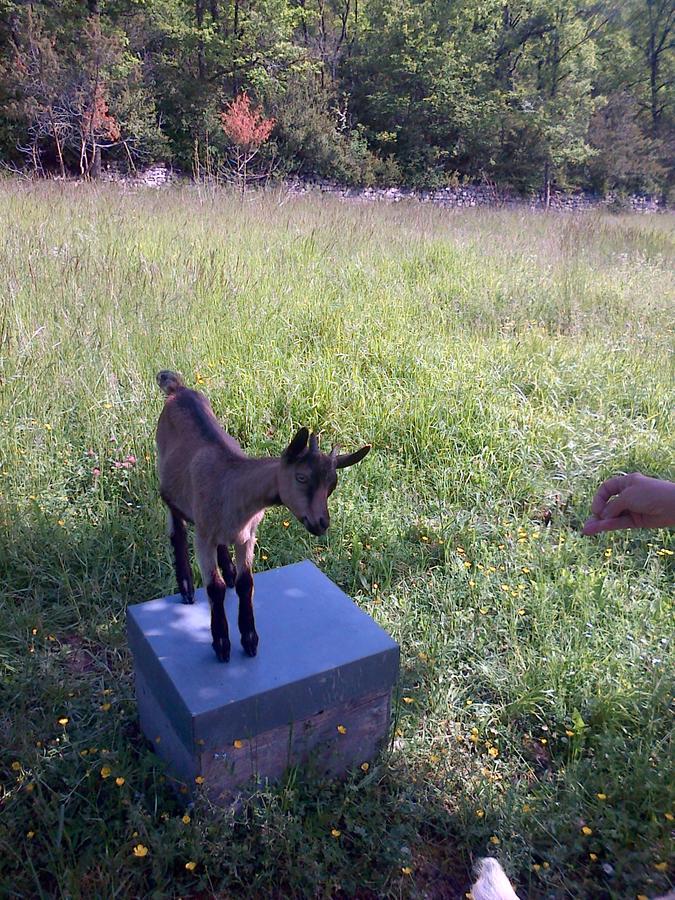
{"type": "Point", "coordinates": [247, 130]}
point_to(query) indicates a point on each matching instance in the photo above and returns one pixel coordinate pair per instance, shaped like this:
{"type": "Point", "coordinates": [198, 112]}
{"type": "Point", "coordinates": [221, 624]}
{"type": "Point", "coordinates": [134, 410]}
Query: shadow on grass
{"type": "Point", "coordinates": [80, 777]}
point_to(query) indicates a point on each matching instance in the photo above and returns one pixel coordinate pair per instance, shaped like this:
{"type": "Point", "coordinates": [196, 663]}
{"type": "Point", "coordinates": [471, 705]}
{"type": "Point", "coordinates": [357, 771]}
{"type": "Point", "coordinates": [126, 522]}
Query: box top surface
{"type": "Point", "coordinates": [311, 633]}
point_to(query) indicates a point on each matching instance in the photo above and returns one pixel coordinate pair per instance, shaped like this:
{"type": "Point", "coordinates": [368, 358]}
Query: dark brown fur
{"type": "Point", "coordinates": [206, 478]}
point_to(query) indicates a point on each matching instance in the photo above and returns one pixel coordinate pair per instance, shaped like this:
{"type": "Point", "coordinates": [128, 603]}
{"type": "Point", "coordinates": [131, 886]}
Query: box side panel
{"type": "Point", "coordinates": [297, 700]}
{"type": "Point", "coordinates": [330, 742]}
{"type": "Point", "coordinates": [159, 684]}
{"type": "Point", "coordinates": [159, 731]}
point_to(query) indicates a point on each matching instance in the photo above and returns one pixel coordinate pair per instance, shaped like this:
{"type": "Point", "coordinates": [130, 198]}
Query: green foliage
{"type": "Point", "coordinates": [528, 94]}
{"type": "Point", "coordinates": [501, 363]}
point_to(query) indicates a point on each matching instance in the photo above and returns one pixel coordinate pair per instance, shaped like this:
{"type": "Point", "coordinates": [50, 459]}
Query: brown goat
{"type": "Point", "coordinates": [206, 478]}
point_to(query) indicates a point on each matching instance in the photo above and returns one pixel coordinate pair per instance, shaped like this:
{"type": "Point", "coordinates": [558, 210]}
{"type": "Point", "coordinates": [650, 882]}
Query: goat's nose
{"type": "Point", "coordinates": [324, 522]}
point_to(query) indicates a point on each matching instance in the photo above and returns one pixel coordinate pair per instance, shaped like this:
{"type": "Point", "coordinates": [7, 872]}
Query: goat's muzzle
{"type": "Point", "coordinates": [316, 528]}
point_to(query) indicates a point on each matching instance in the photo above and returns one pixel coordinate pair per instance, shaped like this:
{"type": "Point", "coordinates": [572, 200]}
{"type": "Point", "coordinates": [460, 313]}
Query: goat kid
{"type": "Point", "coordinates": [207, 479]}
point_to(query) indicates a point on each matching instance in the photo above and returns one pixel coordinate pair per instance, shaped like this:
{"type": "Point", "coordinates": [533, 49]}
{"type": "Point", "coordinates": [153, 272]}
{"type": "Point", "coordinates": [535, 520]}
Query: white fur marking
{"type": "Point", "coordinates": [492, 882]}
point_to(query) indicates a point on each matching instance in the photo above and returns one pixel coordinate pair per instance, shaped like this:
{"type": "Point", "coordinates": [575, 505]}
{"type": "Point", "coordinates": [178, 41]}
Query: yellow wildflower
{"type": "Point", "coordinates": [495, 840]}
{"type": "Point", "coordinates": [480, 813]}
{"type": "Point", "coordinates": [140, 850]}
{"type": "Point", "coordinates": [601, 796]}
{"type": "Point", "coordinates": [365, 766]}
{"type": "Point", "coordinates": [569, 733]}
{"type": "Point", "coordinates": [191, 866]}
{"type": "Point", "coordinates": [661, 866]}
{"type": "Point", "coordinates": [335, 832]}
{"type": "Point", "coordinates": [63, 721]}
{"type": "Point", "coordinates": [238, 744]}
{"type": "Point", "coordinates": [186, 819]}
{"type": "Point", "coordinates": [342, 729]}
{"type": "Point", "coordinates": [16, 766]}
{"type": "Point", "coordinates": [527, 808]}
{"type": "Point", "coordinates": [494, 753]}
{"type": "Point", "coordinates": [408, 700]}
{"type": "Point", "coordinates": [199, 779]}
{"type": "Point", "coordinates": [106, 772]}
{"type": "Point", "coordinates": [119, 781]}
{"type": "Point", "coordinates": [286, 523]}
{"type": "Point", "coordinates": [30, 835]}
{"type": "Point", "coordinates": [593, 857]}
{"type": "Point", "coordinates": [586, 830]}
{"type": "Point", "coordinates": [406, 870]}
{"type": "Point", "coordinates": [536, 867]}
{"type": "Point", "coordinates": [106, 706]}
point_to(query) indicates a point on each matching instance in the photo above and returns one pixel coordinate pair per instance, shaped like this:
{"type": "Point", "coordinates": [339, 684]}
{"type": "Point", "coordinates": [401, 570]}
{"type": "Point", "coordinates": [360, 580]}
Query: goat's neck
{"type": "Point", "coordinates": [259, 487]}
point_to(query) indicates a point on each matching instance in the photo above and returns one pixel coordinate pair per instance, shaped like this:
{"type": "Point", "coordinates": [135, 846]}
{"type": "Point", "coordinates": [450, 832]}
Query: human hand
{"type": "Point", "coordinates": [632, 501]}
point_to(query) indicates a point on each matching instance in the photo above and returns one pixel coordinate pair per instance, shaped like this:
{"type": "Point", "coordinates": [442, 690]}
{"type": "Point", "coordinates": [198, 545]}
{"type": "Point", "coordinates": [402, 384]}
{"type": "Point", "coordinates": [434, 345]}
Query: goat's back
{"type": "Point", "coordinates": [188, 420]}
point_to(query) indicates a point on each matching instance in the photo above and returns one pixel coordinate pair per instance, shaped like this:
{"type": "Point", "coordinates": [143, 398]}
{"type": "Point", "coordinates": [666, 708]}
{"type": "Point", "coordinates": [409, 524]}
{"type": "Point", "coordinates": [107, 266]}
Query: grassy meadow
{"type": "Point", "coordinates": [501, 363]}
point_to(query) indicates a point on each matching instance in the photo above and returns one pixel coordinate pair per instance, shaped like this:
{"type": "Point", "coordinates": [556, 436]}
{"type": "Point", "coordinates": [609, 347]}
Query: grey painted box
{"type": "Point", "coordinates": [320, 686]}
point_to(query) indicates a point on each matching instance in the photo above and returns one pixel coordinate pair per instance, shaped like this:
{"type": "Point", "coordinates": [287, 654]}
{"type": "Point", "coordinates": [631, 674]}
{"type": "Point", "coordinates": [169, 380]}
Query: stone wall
{"type": "Point", "coordinates": [465, 196]}
{"type": "Point", "coordinates": [479, 195]}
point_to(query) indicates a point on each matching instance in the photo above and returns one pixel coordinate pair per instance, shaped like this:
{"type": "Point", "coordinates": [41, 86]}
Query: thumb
{"type": "Point", "coordinates": [597, 526]}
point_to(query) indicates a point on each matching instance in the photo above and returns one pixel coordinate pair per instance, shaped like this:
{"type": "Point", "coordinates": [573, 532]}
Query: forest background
{"type": "Point", "coordinates": [527, 95]}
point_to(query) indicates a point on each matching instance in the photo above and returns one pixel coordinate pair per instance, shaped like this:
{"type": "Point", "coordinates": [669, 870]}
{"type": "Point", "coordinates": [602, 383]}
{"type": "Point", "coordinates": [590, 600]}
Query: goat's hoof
{"type": "Point", "coordinates": [222, 649]}
{"type": "Point", "coordinates": [188, 599]}
{"type": "Point", "coordinates": [249, 641]}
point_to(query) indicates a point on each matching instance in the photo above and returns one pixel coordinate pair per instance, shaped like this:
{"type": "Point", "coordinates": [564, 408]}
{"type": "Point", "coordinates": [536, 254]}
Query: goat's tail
{"type": "Point", "coordinates": [492, 882]}
{"type": "Point", "coordinates": [169, 382]}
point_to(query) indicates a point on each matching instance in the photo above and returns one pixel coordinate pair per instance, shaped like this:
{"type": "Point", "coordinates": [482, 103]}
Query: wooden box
{"type": "Point", "coordinates": [318, 692]}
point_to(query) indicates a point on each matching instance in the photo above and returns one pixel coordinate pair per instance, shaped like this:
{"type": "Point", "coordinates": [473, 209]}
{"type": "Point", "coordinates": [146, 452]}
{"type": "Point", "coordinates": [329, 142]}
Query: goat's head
{"type": "Point", "coordinates": [308, 477]}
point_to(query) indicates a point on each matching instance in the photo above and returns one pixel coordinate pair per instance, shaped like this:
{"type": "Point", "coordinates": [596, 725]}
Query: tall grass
{"type": "Point", "coordinates": [501, 363]}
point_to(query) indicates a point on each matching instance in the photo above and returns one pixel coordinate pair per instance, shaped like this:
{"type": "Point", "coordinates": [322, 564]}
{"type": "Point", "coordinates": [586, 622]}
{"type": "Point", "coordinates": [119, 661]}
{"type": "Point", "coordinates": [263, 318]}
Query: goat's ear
{"type": "Point", "coordinates": [296, 446]}
{"type": "Point", "coordinates": [350, 459]}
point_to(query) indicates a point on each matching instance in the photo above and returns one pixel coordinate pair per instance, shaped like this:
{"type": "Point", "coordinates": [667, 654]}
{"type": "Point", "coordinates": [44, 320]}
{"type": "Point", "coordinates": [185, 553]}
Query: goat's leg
{"type": "Point", "coordinates": [178, 536]}
{"type": "Point", "coordinates": [226, 565]}
{"type": "Point", "coordinates": [207, 556]}
{"type": "Point", "coordinates": [244, 585]}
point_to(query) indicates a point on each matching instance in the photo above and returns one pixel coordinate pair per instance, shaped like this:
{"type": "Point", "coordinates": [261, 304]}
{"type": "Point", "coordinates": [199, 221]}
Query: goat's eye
{"type": "Point", "coordinates": [301, 478]}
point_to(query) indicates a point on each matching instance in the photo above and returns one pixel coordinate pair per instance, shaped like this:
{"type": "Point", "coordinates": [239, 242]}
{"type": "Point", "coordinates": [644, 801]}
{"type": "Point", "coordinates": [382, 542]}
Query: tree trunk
{"type": "Point", "coordinates": [201, 53]}
{"type": "Point", "coordinates": [55, 132]}
{"type": "Point", "coordinates": [547, 185]}
{"type": "Point", "coordinates": [235, 35]}
{"type": "Point", "coordinates": [95, 167]}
